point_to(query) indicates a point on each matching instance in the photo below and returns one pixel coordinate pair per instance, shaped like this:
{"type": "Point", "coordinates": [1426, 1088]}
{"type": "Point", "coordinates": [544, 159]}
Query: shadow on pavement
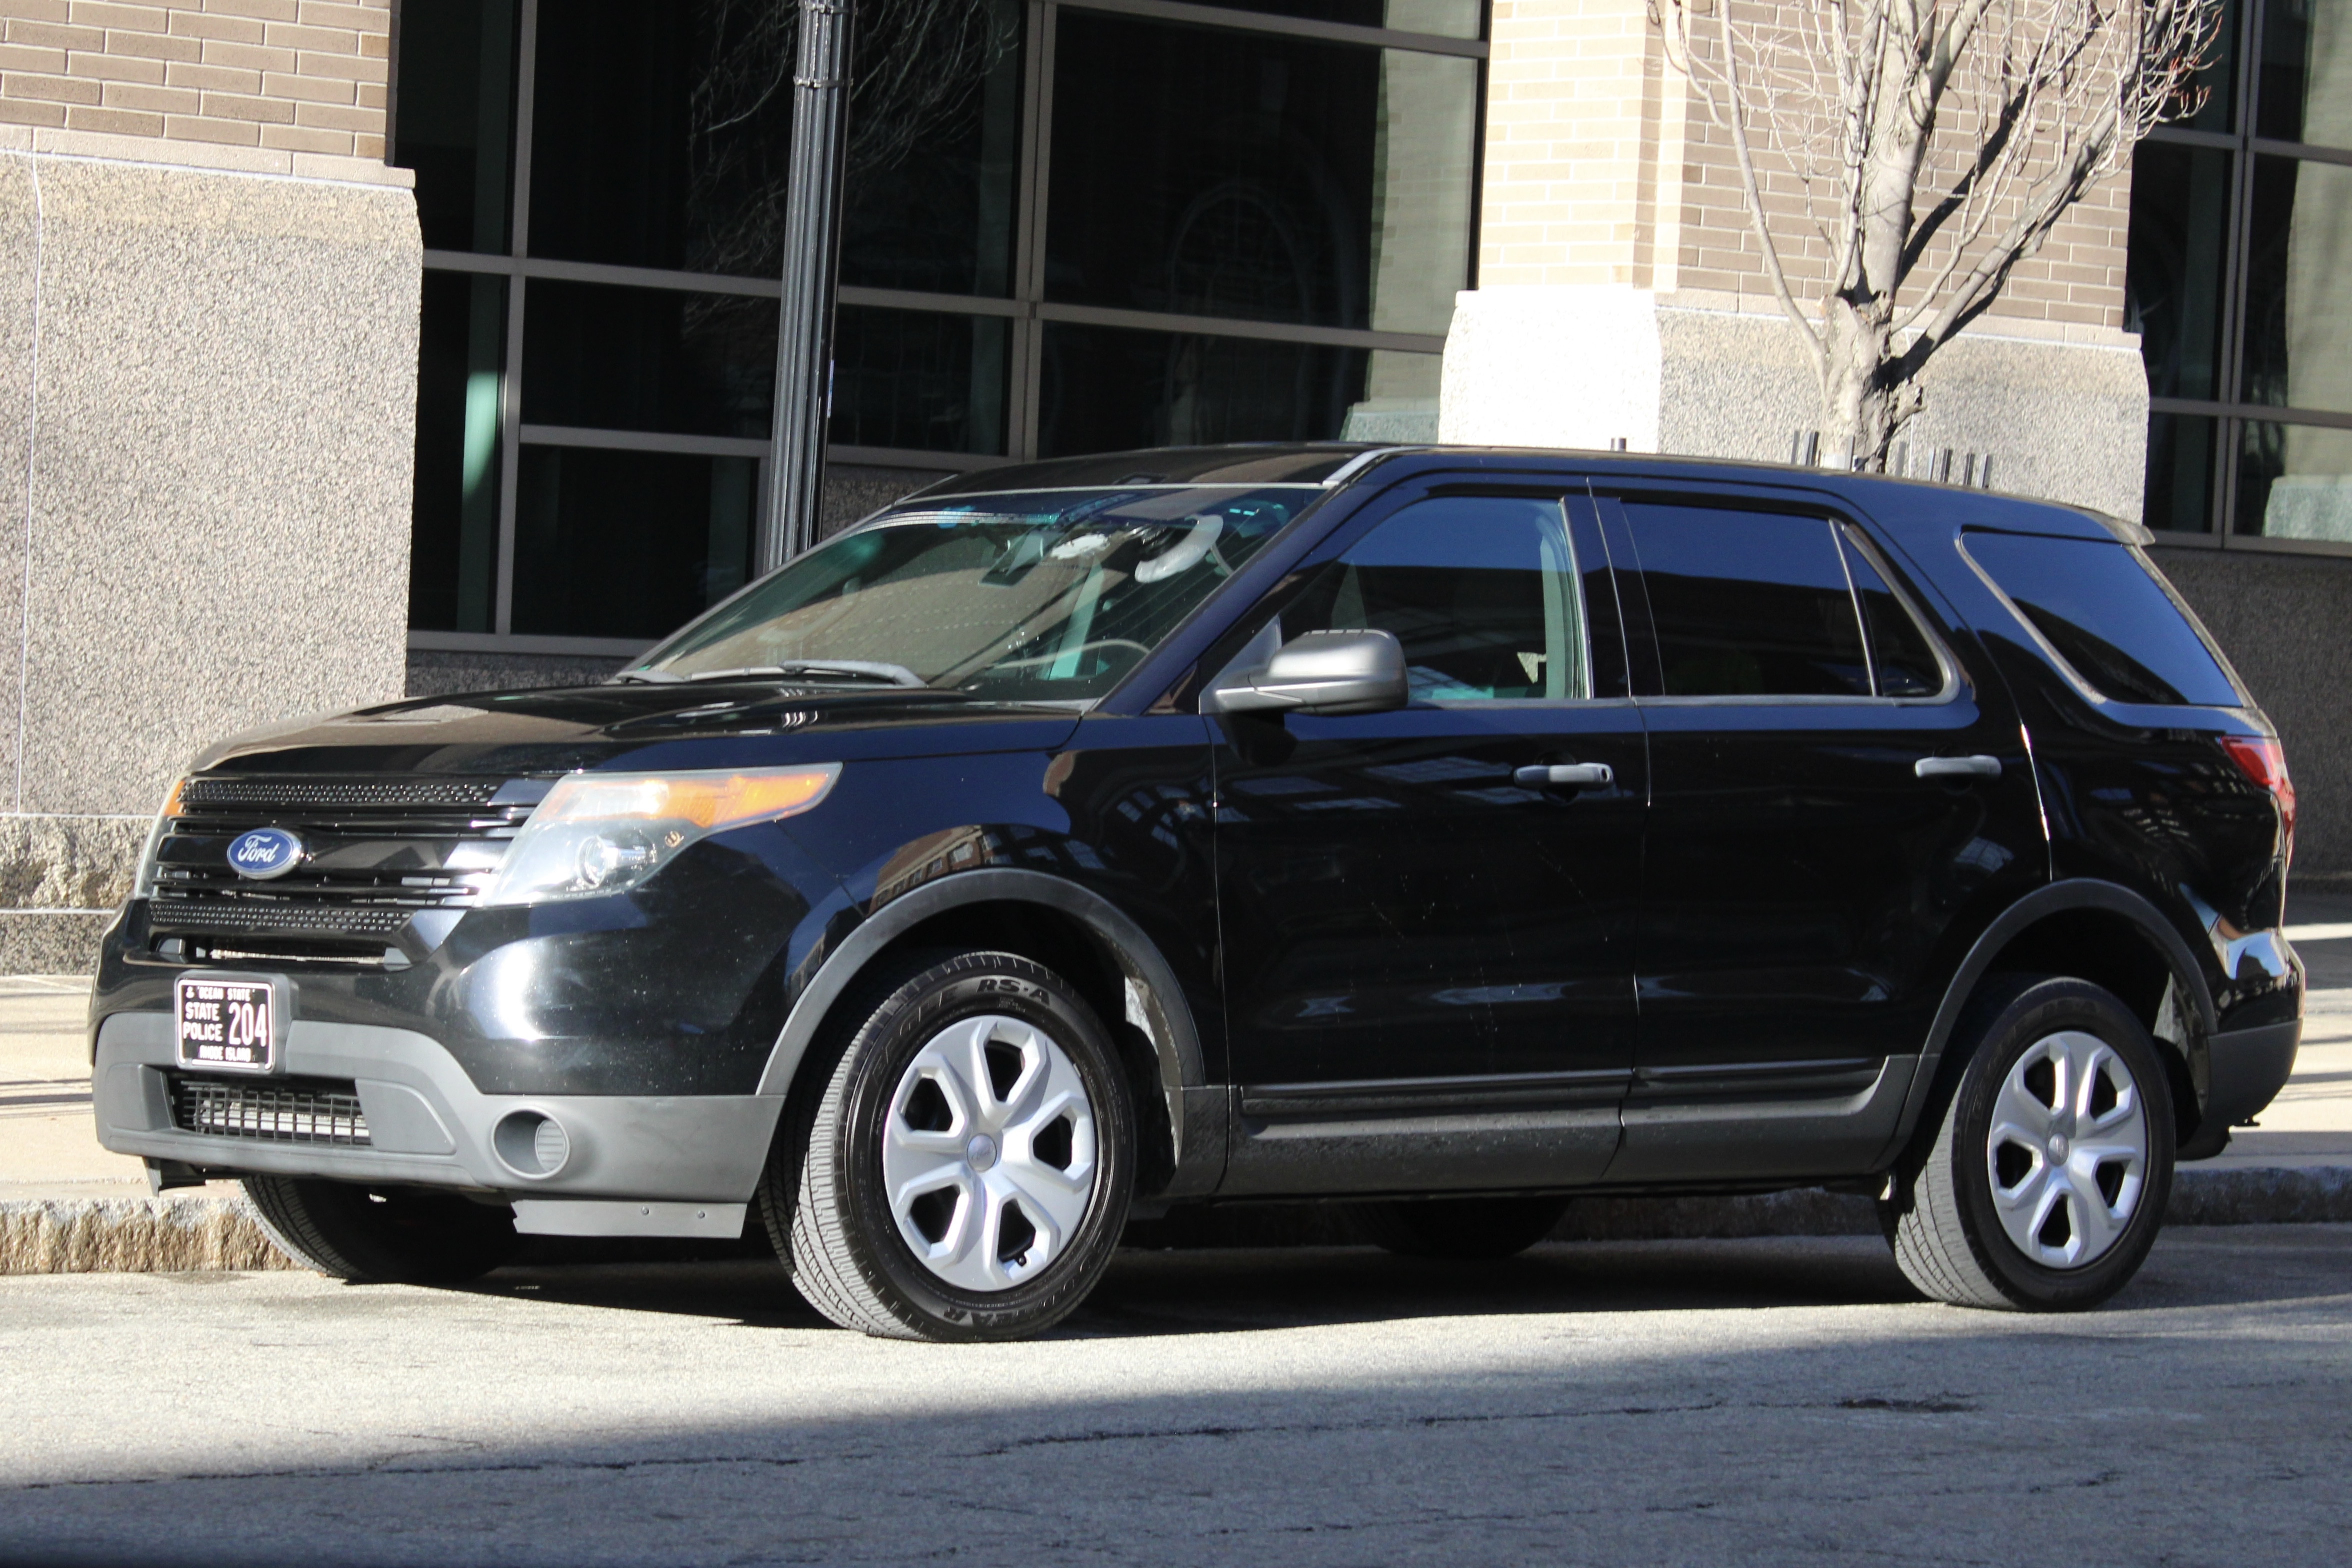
{"type": "Point", "coordinates": [1692, 1403]}
{"type": "Point", "coordinates": [1150, 1293]}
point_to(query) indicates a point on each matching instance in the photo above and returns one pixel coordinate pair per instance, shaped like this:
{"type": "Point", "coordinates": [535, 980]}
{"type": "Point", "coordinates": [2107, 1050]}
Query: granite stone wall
{"type": "Point", "coordinates": [207, 403]}
{"type": "Point", "coordinates": [2282, 619]}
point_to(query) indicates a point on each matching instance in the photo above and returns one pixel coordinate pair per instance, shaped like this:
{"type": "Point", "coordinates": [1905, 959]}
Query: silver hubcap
{"type": "Point", "coordinates": [989, 1156]}
{"type": "Point", "coordinates": [2068, 1151]}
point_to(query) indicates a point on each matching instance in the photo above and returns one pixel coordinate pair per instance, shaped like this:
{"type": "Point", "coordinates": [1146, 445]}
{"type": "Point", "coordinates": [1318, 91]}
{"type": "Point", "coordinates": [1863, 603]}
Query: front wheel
{"type": "Point", "coordinates": [965, 1170]}
{"type": "Point", "coordinates": [2048, 1176]}
{"type": "Point", "coordinates": [389, 1235]}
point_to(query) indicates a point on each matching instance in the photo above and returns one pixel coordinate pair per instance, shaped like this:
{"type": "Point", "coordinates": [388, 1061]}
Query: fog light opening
{"type": "Point", "coordinates": [531, 1143]}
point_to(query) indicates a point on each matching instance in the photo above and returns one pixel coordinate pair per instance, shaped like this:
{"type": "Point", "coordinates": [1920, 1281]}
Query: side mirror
{"type": "Point", "coordinates": [1320, 672]}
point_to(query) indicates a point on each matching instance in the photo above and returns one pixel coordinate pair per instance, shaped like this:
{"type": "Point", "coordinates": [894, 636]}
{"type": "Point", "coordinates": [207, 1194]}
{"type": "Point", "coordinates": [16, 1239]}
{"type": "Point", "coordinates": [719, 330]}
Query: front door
{"type": "Point", "coordinates": [1425, 930]}
{"type": "Point", "coordinates": [1810, 890]}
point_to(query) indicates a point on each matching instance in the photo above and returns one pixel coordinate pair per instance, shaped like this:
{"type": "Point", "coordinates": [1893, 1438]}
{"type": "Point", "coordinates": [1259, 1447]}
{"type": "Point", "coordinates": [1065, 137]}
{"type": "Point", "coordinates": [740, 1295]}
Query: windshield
{"type": "Point", "coordinates": [1047, 596]}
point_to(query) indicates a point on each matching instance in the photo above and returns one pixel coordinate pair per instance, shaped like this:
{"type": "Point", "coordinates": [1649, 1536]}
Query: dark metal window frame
{"type": "Point", "coordinates": [1027, 309]}
{"type": "Point", "coordinates": [2231, 413]}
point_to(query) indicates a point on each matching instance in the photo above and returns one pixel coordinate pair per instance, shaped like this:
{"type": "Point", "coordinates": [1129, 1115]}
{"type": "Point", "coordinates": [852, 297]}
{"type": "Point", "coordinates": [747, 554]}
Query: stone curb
{"type": "Point", "coordinates": [133, 1236]}
{"type": "Point", "coordinates": [170, 1234]}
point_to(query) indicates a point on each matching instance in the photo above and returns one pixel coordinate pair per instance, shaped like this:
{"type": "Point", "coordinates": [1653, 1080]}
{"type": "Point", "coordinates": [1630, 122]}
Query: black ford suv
{"type": "Point", "coordinates": [1447, 832]}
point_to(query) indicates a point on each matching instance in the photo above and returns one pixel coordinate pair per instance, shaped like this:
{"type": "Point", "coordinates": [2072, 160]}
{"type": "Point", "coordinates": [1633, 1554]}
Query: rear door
{"type": "Point", "coordinates": [1426, 943]}
{"type": "Point", "coordinates": [1807, 876]}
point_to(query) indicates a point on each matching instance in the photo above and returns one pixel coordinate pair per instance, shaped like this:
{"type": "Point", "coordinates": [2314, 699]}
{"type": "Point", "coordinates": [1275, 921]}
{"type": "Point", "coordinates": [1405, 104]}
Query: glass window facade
{"type": "Point", "coordinates": [2239, 283]}
{"type": "Point", "coordinates": [1069, 228]}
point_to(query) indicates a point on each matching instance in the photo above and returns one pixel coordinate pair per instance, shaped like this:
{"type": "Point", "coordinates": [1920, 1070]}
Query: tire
{"type": "Point", "coordinates": [987, 1076]}
{"type": "Point", "coordinates": [1460, 1229]}
{"type": "Point", "coordinates": [390, 1235]}
{"type": "Point", "coordinates": [2046, 1178]}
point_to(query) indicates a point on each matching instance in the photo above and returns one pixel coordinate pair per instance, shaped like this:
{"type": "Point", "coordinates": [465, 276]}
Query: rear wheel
{"type": "Point", "coordinates": [965, 1170]}
{"type": "Point", "coordinates": [389, 1236]}
{"type": "Point", "coordinates": [1460, 1227]}
{"type": "Point", "coordinates": [2047, 1178]}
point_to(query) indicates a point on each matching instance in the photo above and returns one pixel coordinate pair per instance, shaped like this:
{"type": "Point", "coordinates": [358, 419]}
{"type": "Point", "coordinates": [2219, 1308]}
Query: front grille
{"type": "Point", "coordinates": [314, 795]}
{"type": "Point", "coordinates": [378, 851]}
{"type": "Point", "coordinates": [279, 1110]}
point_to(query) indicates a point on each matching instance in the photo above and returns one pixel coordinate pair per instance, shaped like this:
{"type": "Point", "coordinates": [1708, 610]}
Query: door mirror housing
{"type": "Point", "coordinates": [1320, 672]}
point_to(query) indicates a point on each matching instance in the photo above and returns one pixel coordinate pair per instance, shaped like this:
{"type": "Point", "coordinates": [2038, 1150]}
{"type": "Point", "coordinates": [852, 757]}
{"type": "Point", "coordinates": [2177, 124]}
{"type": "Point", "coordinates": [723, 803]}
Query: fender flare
{"type": "Point", "coordinates": [1155, 1001]}
{"type": "Point", "coordinates": [2057, 898]}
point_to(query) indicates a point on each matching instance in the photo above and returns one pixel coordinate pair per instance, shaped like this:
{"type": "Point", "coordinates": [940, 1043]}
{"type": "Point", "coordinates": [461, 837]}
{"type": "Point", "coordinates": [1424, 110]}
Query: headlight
{"type": "Point", "coordinates": [597, 834]}
{"type": "Point", "coordinates": [143, 886]}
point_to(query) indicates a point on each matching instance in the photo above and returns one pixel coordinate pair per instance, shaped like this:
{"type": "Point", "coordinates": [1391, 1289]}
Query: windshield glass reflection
{"type": "Point", "coordinates": [1047, 597]}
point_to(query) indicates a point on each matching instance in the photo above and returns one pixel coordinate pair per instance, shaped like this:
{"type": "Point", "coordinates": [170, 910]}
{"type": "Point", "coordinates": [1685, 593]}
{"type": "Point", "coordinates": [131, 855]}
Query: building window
{"type": "Point", "coordinates": [2241, 286]}
{"type": "Point", "coordinates": [1077, 226]}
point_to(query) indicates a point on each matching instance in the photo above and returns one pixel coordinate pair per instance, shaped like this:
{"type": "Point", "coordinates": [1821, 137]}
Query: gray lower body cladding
{"type": "Point", "coordinates": [427, 1125]}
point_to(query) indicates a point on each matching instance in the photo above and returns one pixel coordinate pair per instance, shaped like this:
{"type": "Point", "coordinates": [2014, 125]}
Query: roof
{"type": "Point", "coordinates": [1906, 502]}
{"type": "Point", "coordinates": [1268, 463]}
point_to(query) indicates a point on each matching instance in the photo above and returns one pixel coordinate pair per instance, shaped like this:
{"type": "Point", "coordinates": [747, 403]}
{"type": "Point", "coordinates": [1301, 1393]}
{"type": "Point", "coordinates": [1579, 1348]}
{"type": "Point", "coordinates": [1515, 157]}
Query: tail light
{"type": "Point", "coordinates": [2265, 761]}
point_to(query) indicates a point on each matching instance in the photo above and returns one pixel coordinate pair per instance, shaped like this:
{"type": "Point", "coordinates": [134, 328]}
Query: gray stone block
{"type": "Point", "coordinates": [68, 862]}
{"type": "Point", "coordinates": [219, 473]}
{"type": "Point", "coordinates": [207, 403]}
{"type": "Point", "coordinates": [2318, 1194]}
{"type": "Point", "coordinates": [442, 674]}
{"type": "Point", "coordinates": [20, 249]}
{"type": "Point", "coordinates": [168, 1234]}
{"type": "Point", "coordinates": [50, 941]}
{"type": "Point", "coordinates": [853, 493]}
{"type": "Point", "coordinates": [2280, 619]}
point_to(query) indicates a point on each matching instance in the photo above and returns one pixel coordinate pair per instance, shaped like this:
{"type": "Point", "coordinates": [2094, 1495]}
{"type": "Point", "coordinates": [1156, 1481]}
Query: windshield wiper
{"type": "Point", "coordinates": [814, 669]}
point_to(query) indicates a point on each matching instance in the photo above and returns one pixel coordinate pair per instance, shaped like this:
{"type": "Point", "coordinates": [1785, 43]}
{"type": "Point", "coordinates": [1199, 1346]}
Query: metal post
{"type": "Point", "coordinates": [812, 265]}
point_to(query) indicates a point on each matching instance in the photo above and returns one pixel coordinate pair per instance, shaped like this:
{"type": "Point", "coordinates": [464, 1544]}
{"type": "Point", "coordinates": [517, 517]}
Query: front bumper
{"type": "Point", "coordinates": [428, 1125]}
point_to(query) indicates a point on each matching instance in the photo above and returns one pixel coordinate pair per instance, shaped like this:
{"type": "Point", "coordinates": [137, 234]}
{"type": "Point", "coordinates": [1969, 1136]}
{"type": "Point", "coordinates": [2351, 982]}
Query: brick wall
{"type": "Point", "coordinates": [285, 75]}
{"type": "Point", "coordinates": [1604, 167]}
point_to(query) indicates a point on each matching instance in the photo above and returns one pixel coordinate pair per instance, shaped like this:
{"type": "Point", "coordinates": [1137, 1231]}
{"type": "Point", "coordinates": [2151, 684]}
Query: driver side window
{"type": "Point", "coordinates": [1481, 591]}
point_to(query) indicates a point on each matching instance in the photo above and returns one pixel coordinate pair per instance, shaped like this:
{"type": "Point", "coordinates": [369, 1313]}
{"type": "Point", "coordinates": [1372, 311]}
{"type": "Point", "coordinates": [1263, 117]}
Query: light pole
{"type": "Point", "coordinates": [812, 265]}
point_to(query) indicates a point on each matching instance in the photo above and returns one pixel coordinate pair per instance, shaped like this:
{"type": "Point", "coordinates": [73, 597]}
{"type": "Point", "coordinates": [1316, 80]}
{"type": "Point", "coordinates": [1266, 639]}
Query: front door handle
{"type": "Point", "coordinates": [1566, 775]}
{"type": "Point", "coordinates": [1958, 767]}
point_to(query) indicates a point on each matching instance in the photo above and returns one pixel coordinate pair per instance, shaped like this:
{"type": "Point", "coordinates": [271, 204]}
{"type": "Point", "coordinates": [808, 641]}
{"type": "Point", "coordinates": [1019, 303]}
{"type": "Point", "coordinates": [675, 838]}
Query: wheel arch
{"type": "Point", "coordinates": [2089, 929]}
{"type": "Point", "coordinates": [1093, 944]}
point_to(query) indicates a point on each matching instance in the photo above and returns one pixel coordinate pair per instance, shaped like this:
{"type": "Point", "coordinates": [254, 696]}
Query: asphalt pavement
{"type": "Point", "coordinates": [1757, 1402]}
{"type": "Point", "coordinates": [1785, 1400]}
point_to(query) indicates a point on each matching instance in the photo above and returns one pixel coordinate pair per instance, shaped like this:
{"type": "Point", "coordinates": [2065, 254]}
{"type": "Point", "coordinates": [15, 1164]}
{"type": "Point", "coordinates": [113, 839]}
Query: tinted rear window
{"type": "Point", "coordinates": [1748, 603]}
{"type": "Point", "coordinates": [2101, 606]}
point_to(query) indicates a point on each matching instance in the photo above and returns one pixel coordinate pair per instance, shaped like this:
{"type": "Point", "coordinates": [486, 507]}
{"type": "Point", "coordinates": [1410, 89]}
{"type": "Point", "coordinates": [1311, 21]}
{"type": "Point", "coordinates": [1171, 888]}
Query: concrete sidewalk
{"type": "Point", "coordinates": [67, 1206]}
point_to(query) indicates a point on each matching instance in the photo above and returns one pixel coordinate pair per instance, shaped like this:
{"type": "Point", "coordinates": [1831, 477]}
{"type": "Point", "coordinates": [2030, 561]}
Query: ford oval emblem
{"type": "Point", "coordinates": [264, 853]}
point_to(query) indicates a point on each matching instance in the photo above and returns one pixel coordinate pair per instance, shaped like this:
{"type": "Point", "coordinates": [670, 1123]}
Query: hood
{"type": "Point", "coordinates": [632, 728]}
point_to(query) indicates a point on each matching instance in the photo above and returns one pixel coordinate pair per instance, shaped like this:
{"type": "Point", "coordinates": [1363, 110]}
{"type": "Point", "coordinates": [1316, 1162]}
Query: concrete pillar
{"type": "Point", "coordinates": [207, 416]}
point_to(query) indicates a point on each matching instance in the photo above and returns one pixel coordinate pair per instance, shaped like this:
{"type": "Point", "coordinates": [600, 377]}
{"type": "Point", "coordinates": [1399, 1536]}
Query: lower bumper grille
{"type": "Point", "coordinates": [182, 913]}
{"type": "Point", "coordinates": [285, 1110]}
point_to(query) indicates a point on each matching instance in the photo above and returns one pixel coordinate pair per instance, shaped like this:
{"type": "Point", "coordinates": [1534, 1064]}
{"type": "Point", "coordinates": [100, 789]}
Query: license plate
{"type": "Point", "coordinates": [226, 1024]}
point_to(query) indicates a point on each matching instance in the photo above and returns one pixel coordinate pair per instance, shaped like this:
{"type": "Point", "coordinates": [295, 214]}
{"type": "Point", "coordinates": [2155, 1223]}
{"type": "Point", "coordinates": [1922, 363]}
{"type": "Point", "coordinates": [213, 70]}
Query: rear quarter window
{"type": "Point", "coordinates": [2110, 617]}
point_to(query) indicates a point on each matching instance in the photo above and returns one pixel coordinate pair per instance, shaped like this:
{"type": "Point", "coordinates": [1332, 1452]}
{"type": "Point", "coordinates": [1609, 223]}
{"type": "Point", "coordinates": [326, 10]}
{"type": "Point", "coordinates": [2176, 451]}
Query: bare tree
{"type": "Point", "coordinates": [1934, 145]}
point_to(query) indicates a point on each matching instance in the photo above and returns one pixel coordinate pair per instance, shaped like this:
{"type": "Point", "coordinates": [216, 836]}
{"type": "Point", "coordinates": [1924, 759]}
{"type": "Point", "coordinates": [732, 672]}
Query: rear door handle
{"type": "Point", "coordinates": [1958, 767]}
{"type": "Point", "coordinates": [1567, 775]}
